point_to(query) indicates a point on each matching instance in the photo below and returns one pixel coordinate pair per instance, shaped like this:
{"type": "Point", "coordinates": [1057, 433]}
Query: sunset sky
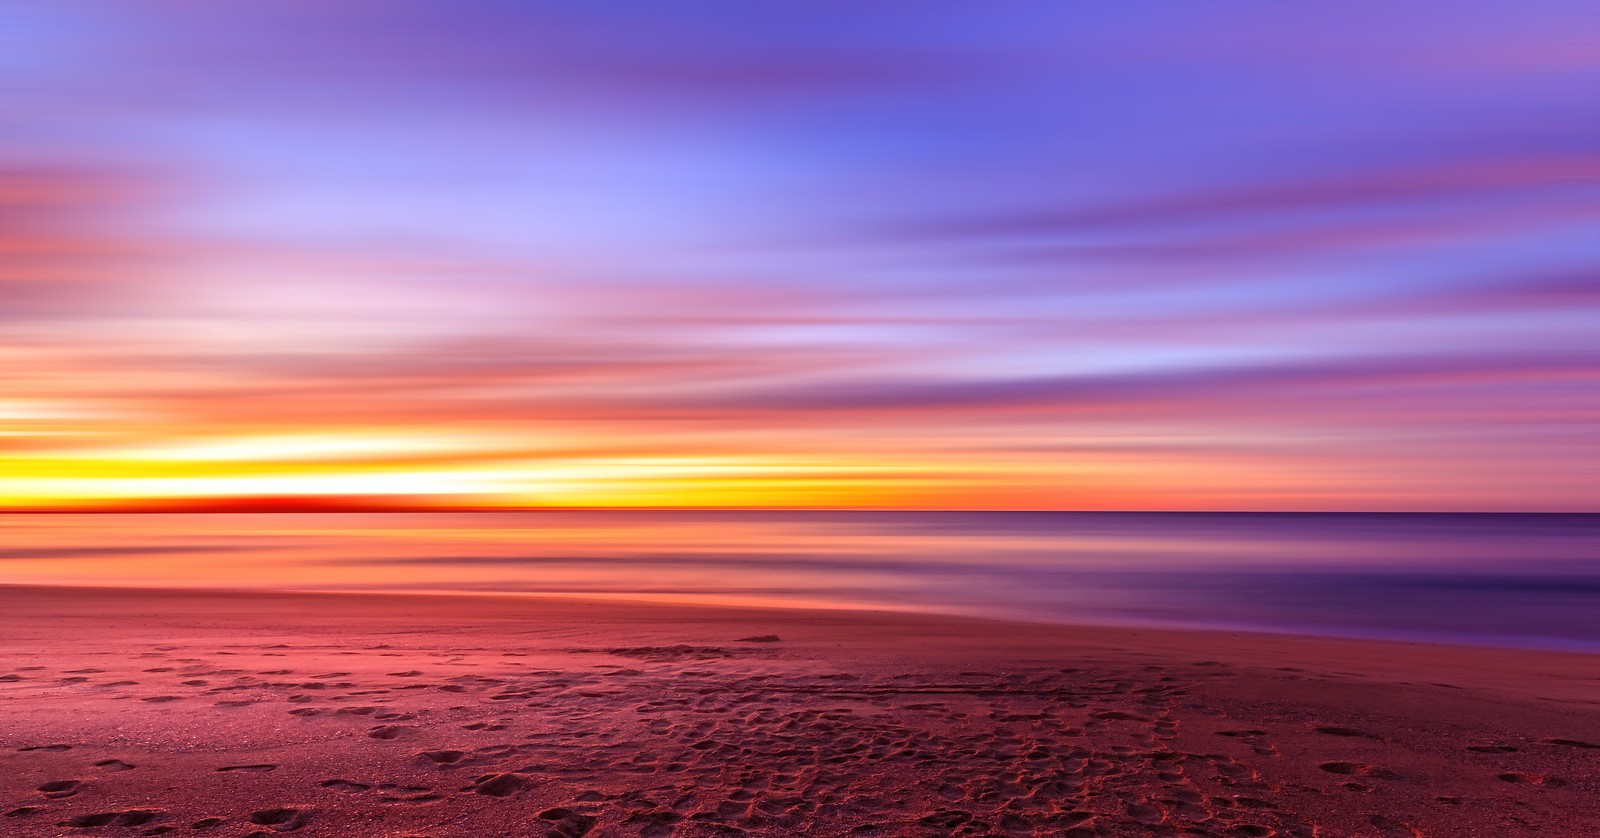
{"type": "Point", "coordinates": [1033, 256]}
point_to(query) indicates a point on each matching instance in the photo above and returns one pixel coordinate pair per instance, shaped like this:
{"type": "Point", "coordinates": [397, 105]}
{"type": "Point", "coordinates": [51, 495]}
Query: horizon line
{"type": "Point", "coordinates": [313, 507]}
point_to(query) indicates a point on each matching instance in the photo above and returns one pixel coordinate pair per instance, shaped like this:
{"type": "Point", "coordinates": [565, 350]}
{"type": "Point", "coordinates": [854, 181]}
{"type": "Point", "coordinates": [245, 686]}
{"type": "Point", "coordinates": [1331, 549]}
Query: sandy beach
{"type": "Point", "coordinates": [147, 712]}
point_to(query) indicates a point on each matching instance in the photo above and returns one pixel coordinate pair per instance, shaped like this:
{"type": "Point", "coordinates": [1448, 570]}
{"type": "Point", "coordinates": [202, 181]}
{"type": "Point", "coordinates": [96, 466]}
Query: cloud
{"type": "Point", "coordinates": [92, 552]}
{"type": "Point", "coordinates": [1220, 384]}
{"type": "Point", "coordinates": [1043, 256]}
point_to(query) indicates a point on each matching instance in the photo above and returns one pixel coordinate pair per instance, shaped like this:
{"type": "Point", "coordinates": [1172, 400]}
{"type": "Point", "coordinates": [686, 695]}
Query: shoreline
{"type": "Point", "coordinates": [1587, 648]}
{"type": "Point", "coordinates": [401, 714]}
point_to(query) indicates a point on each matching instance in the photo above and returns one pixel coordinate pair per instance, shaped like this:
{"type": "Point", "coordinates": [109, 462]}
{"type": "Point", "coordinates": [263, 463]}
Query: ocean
{"type": "Point", "coordinates": [1521, 580]}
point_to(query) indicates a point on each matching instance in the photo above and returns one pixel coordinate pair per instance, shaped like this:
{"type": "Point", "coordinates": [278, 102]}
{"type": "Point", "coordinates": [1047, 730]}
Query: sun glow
{"type": "Point", "coordinates": [462, 276]}
{"type": "Point", "coordinates": [434, 468]}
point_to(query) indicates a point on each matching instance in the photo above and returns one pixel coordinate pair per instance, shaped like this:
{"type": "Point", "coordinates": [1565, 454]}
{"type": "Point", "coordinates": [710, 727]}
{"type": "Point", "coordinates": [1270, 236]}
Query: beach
{"type": "Point", "coordinates": [127, 711]}
{"type": "Point", "coordinates": [793, 420]}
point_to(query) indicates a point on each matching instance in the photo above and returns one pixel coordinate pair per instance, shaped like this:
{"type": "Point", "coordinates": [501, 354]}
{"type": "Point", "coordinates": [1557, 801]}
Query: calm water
{"type": "Point", "coordinates": [1521, 580]}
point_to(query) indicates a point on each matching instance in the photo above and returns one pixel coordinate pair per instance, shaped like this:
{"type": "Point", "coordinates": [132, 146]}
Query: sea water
{"type": "Point", "coordinates": [1507, 580]}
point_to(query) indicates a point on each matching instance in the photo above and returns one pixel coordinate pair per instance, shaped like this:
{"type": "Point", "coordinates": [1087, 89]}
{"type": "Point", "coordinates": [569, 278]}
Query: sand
{"type": "Point", "coordinates": [146, 712]}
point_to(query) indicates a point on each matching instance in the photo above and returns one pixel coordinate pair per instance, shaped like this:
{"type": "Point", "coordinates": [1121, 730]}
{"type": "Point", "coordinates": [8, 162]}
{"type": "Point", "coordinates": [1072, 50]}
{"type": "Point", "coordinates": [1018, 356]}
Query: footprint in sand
{"type": "Point", "coordinates": [569, 822]}
{"type": "Point", "coordinates": [115, 765]}
{"type": "Point", "coordinates": [282, 819]}
{"type": "Point", "coordinates": [344, 785]}
{"type": "Point", "coordinates": [132, 817]}
{"type": "Point", "coordinates": [260, 768]}
{"type": "Point", "coordinates": [414, 794]}
{"type": "Point", "coordinates": [389, 732]}
{"type": "Point", "coordinates": [47, 748]}
{"type": "Point", "coordinates": [1571, 743]}
{"type": "Point", "coordinates": [60, 788]}
{"type": "Point", "coordinates": [1358, 769]}
{"type": "Point", "coordinates": [442, 757]}
{"type": "Point", "coordinates": [497, 785]}
{"type": "Point", "coordinates": [1118, 715]}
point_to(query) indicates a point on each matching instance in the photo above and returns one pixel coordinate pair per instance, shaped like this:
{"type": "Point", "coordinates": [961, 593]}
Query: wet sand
{"type": "Point", "coordinates": [147, 712]}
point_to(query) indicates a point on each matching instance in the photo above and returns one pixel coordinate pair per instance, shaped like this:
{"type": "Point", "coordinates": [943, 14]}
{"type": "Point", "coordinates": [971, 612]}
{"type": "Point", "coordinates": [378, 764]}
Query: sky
{"type": "Point", "coordinates": [903, 255]}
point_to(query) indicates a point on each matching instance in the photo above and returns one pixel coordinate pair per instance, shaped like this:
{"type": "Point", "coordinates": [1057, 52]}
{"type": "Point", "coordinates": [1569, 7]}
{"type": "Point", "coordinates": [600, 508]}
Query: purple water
{"type": "Point", "coordinates": [1510, 580]}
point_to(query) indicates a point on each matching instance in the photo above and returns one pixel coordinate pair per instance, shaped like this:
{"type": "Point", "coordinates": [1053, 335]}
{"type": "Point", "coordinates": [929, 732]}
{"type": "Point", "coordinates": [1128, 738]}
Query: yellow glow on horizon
{"type": "Point", "coordinates": [21, 491]}
{"type": "Point", "coordinates": [563, 466]}
{"type": "Point", "coordinates": [207, 471]}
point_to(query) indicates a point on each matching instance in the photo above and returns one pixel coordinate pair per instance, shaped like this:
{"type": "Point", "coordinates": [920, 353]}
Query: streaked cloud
{"type": "Point", "coordinates": [1033, 257]}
